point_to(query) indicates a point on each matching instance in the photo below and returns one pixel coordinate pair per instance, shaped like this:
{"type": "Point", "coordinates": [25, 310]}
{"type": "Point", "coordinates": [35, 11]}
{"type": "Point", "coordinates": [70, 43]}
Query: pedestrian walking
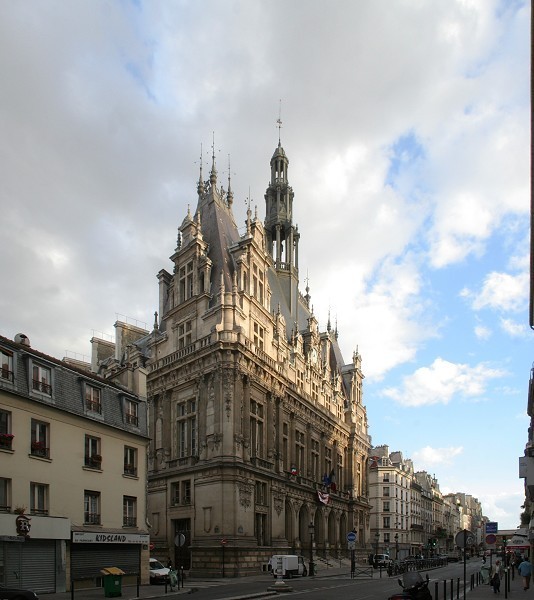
{"type": "Point", "coordinates": [525, 570]}
{"type": "Point", "coordinates": [496, 576]}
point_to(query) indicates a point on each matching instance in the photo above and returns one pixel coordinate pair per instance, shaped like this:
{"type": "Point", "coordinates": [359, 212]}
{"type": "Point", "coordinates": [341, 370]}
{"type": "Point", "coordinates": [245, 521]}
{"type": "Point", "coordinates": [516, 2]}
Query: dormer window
{"type": "Point", "coordinates": [131, 412]}
{"type": "Point", "coordinates": [185, 276]}
{"type": "Point", "coordinates": [93, 400]}
{"type": "Point", "coordinates": [6, 365]}
{"type": "Point", "coordinates": [42, 379]}
{"type": "Point", "coordinates": [258, 279]}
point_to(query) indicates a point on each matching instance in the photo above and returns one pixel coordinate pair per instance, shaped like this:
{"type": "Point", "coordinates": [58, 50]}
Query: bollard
{"type": "Point", "coordinates": [444, 589]}
{"type": "Point", "coordinates": [436, 593]}
{"type": "Point", "coordinates": [72, 589]}
{"type": "Point", "coordinates": [452, 589]}
{"type": "Point", "coordinates": [138, 583]}
{"type": "Point", "coordinates": [458, 589]}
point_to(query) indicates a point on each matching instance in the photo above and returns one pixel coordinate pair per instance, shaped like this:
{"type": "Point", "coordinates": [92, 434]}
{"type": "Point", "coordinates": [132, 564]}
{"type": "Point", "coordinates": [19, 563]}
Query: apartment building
{"type": "Point", "coordinates": [73, 450]}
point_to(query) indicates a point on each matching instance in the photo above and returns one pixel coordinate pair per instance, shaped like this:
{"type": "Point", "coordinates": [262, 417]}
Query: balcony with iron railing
{"type": "Point", "coordinates": [7, 374]}
{"type": "Point", "coordinates": [40, 449]}
{"type": "Point", "coordinates": [41, 386]}
{"type": "Point", "coordinates": [130, 470]}
{"type": "Point", "coordinates": [93, 461]}
{"type": "Point", "coordinates": [91, 518]}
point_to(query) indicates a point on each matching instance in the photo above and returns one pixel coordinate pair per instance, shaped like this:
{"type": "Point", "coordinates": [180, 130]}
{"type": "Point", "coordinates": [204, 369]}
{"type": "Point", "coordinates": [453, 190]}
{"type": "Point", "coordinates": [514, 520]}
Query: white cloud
{"type": "Point", "coordinates": [441, 382]}
{"type": "Point", "coordinates": [513, 328]}
{"type": "Point", "coordinates": [500, 291]}
{"type": "Point", "coordinates": [427, 458]}
{"type": "Point", "coordinates": [482, 332]}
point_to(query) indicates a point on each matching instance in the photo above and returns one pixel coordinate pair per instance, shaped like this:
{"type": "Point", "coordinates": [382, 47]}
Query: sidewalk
{"type": "Point", "coordinates": [485, 592]}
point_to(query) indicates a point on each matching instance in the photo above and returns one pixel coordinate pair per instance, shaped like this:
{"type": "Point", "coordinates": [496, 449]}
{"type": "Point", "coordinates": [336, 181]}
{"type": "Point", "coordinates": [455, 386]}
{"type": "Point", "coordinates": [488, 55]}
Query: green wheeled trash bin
{"type": "Point", "coordinates": [112, 581]}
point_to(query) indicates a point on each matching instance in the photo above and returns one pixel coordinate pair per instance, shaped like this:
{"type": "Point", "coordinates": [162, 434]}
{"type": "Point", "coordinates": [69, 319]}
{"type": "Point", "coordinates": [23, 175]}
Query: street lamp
{"type": "Point", "coordinates": [396, 546]}
{"type": "Point", "coordinates": [311, 529]}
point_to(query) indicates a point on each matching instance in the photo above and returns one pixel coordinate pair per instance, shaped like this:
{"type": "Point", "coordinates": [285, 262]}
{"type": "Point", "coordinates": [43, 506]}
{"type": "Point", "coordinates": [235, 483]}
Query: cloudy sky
{"type": "Point", "coordinates": [406, 123]}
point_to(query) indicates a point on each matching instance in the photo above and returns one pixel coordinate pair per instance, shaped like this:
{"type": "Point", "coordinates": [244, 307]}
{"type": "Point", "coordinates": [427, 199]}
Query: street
{"type": "Point", "coordinates": [325, 586]}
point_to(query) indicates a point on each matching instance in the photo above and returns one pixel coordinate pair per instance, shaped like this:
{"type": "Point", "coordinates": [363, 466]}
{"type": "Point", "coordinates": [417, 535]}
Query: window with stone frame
{"type": "Point", "coordinates": [285, 446]}
{"type": "Point", "coordinates": [314, 466]}
{"type": "Point", "coordinates": [185, 334]}
{"type": "Point", "coordinates": [257, 425]}
{"type": "Point", "coordinates": [260, 528]}
{"type": "Point", "coordinates": [299, 451]}
{"type": "Point", "coordinates": [258, 283]}
{"type": "Point", "coordinates": [261, 493]}
{"type": "Point", "coordinates": [186, 428]}
{"type": "Point", "coordinates": [259, 336]}
{"type": "Point", "coordinates": [185, 281]}
{"type": "Point", "coordinates": [328, 460]}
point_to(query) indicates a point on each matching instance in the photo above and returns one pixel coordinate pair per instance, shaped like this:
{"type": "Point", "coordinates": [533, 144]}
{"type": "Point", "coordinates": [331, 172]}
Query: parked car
{"type": "Point", "coordinates": [7, 593]}
{"type": "Point", "coordinates": [382, 560]}
{"type": "Point", "coordinates": [158, 573]}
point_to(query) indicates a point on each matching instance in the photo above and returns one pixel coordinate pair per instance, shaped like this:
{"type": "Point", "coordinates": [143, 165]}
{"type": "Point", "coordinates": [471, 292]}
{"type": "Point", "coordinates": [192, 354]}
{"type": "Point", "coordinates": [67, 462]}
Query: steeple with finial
{"type": "Point", "coordinates": [280, 233]}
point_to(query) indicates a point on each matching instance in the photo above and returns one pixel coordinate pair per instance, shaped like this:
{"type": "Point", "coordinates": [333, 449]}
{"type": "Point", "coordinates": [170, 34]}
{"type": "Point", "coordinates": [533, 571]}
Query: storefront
{"type": "Point", "coordinates": [90, 552]}
{"type": "Point", "coordinates": [33, 552]}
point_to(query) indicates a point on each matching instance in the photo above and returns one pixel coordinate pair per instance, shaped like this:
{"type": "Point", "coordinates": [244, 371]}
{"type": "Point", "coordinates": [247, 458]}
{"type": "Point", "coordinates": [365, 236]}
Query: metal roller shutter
{"type": "Point", "coordinates": [32, 565]}
{"type": "Point", "coordinates": [86, 560]}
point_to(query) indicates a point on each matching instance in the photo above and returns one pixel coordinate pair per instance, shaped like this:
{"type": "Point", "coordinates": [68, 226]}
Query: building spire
{"type": "Point", "coordinates": [213, 174]}
{"type": "Point", "coordinates": [200, 187]}
{"type": "Point", "coordinates": [230, 194]}
{"type": "Point", "coordinates": [279, 121]}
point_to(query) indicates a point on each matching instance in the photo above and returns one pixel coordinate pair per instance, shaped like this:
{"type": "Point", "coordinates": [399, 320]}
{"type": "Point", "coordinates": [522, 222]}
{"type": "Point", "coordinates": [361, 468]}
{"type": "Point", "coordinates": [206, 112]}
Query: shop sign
{"type": "Point", "coordinates": [83, 537]}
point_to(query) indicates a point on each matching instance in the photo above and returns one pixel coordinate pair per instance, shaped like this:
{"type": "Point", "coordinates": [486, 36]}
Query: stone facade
{"type": "Point", "coordinates": [258, 426]}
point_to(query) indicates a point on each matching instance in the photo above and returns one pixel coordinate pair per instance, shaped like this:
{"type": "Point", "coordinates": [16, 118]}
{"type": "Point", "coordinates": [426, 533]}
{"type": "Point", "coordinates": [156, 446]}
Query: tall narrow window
{"type": "Point", "coordinates": [285, 446]}
{"type": "Point", "coordinates": [257, 283]}
{"type": "Point", "coordinates": [131, 412]}
{"type": "Point", "coordinates": [91, 510]}
{"type": "Point", "coordinates": [259, 335]}
{"type": "Point", "coordinates": [93, 398]}
{"type": "Point", "coordinates": [256, 429]}
{"type": "Point", "coordinates": [186, 491]}
{"type": "Point", "coordinates": [130, 461]}
{"type": "Point", "coordinates": [39, 498]}
{"type": "Point", "coordinates": [299, 451]}
{"type": "Point", "coordinates": [5, 494]}
{"type": "Point", "coordinates": [186, 428]}
{"type": "Point", "coordinates": [129, 511]}
{"type": "Point", "coordinates": [328, 460]}
{"type": "Point", "coordinates": [6, 437]}
{"type": "Point", "coordinates": [39, 439]}
{"type": "Point", "coordinates": [42, 379]}
{"type": "Point", "coordinates": [6, 364]}
{"type": "Point", "coordinates": [315, 460]}
{"type": "Point", "coordinates": [185, 334]}
{"type": "Point", "coordinates": [93, 457]}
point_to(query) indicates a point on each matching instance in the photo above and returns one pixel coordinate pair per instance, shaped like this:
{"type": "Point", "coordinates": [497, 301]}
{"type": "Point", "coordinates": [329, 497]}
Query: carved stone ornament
{"type": "Point", "coordinates": [278, 503]}
{"type": "Point", "coordinates": [245, 494]}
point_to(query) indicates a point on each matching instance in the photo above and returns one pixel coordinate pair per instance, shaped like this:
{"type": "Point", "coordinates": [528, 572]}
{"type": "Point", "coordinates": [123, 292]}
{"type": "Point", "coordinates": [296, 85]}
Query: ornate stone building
{"type": "Point", "coordinates": [259, 433]}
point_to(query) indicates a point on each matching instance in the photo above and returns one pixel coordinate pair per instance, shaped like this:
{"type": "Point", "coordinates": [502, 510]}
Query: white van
{"type": "Point", "coordinates": [287, 565]}
{"type": "Point", "coordinates": [382, 560]}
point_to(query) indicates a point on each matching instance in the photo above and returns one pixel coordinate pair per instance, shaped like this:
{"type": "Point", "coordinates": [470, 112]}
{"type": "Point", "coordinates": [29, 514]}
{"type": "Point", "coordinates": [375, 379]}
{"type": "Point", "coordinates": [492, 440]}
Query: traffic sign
{"type": "Point", "coordinates": [351, 536]}
{"type": "Point", "coordinates": [491, 539]}
{"type": "Point", "coordinates": [491, 527]}
{"type": "Point", "coordinates": [464, 538]}
{"type": "Point", "coordinates": [351, 545]}
{"type": "Point", "coordinates": [179, 540]}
